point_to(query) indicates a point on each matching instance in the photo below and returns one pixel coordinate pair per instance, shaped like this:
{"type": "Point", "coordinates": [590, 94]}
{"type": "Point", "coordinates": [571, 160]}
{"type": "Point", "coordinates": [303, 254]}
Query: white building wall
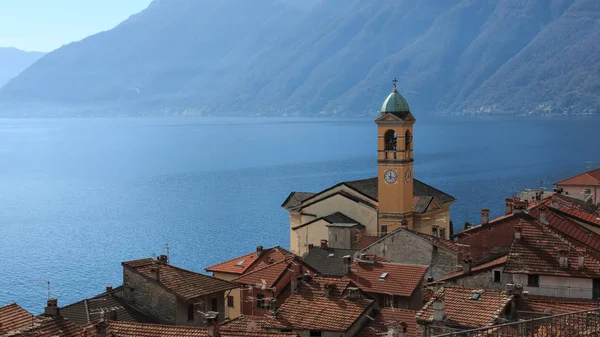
{"type": "Point", "coordinates": [555, 286]}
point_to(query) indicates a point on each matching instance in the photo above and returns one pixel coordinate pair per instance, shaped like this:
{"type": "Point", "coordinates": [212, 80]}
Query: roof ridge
{"type": "Point", "coordinates": [230, 260]}
{"type": "Point", "coordinates": [262, 268]}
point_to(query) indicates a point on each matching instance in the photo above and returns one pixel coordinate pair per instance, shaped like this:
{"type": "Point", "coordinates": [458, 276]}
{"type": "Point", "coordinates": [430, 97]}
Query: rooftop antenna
{"type": "Point", "coordinates": [48, 284]}
{"type": "Point", "coordinates": [167, 250]}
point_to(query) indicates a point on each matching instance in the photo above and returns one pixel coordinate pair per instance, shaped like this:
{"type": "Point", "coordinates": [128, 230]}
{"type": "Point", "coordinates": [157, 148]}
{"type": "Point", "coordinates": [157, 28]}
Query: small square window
{"type": "Point", "coordinates": [443, 233]}
{"type": "Point", "coordinates": [230, 301]}
{"type": "Point", "coordinates": [434, 231]}
{"type": "Point", "coordinates": [314, 333]}
{"type": "Point", "coordinates": [497, 275]}
{"type": "Point", "coordinates": [383, 230]}
{"type": "Point", "coordinates": [533, 280]}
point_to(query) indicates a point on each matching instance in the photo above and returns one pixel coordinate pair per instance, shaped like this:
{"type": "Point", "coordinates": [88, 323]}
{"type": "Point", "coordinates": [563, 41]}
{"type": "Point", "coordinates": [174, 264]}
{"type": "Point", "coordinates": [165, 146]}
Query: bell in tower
{"type": "Point", "coordinates": [395, 163]}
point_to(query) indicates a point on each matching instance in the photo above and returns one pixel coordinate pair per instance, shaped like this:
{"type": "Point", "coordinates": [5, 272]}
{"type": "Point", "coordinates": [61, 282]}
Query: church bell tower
{"type": "Point", "coordinates": [395, 164]}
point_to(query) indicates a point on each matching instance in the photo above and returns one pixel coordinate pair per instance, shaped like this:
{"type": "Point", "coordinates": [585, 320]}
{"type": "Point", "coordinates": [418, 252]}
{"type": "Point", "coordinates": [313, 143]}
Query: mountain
{"type": "Point", "coordinates": [13, 61]}
{"type": "Point", "coordinates": [332, 57]}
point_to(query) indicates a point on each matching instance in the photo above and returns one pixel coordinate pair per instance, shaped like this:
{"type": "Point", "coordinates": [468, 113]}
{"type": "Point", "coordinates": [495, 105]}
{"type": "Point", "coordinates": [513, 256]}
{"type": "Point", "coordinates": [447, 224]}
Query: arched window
{"type": "Point", "coordinates": [407, 140]}
{"type": "Point", "coordinates": [390, 139]}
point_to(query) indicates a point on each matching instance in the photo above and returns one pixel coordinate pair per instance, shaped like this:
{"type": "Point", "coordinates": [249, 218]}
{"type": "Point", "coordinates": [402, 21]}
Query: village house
{"type": "Point", "coordinates": [374, 206]}
{"type": "Point", "coordinates": [13, 318]}
{"type": "Point", "coordinates": [392, 322]}
{"type": "Point", "coordinates": [410, 247]}
{"type": "Point", "coordinates": [236, 267]}
{"type": "Point", "coordinates": [172, 295]}
{"type": "Point", "coordinates": [392, 285]}
{"type": "Point", "coordinates": [327, 261]}
{"type": "Point", "coordinates": [262, 287]}
{"type": "Point", "coordinates": [487, 275]}
{"type": "Point", "coordinates": [455, 308]}
{"type": "Point", "coordinates": [585, 186]}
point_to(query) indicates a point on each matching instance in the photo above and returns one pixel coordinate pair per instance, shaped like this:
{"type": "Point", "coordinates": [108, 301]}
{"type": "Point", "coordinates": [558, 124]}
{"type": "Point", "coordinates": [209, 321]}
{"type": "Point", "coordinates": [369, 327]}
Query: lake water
{"type": "Point", "coordinates": [78, 196]}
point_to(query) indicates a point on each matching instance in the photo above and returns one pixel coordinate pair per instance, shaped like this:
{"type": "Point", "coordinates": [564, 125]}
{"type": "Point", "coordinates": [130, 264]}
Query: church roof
{"type": "Point", "coordinates": [369, 188]}
{"type": "Point", "coordinates": [395, 103]}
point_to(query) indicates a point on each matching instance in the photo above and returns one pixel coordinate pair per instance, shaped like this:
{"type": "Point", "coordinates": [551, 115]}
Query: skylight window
{"type": "Point", "coordinates": [383, 276]}
{"type": "Point", "coordinates": [475, 296]}
{"type": "Point", "coordinates": [331, 255]}
{"type": "Point", "coordinates": [240, 262]}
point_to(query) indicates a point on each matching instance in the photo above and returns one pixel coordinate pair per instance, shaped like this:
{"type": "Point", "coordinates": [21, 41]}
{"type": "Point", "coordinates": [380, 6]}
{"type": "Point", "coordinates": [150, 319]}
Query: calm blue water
{"type": "Point", "coordinates": [78, 196]}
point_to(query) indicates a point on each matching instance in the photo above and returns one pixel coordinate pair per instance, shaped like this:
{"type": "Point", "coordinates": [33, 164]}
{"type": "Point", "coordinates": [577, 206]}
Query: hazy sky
{"type": "Point", "coordinates": [44, 25]}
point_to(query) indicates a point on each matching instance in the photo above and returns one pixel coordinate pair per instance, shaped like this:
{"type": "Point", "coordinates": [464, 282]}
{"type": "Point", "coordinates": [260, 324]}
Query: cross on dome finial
{"type": "Point", "coordinates": [394, 81]}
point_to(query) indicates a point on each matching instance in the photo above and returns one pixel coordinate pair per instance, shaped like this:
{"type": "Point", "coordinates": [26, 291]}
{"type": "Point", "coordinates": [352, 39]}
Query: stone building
{"type": "Point", "coordinates": [487, 275]}
{"type": "Point", "coordinates": [410, 247]}
{"type": "Point", "coordinates": [379, 205]}
{"type": "Point", "coordinates": [172, 295]}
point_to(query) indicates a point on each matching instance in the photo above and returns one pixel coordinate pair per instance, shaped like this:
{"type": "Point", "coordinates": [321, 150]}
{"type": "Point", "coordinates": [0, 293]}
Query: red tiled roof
{"type": "Point", "coordinates": [246, 323]}
{"type": "Point", "coordinates": [584, 179]}
{"type": "Point", "coordinates": [365, 241]}
{"type": "Point", "coordinates": [389, 317]}
{"type": "Point", "coordinates": [555, 306]}
{"type": "Point", "coordinates": [14, 318]}
{"type": "Point", "coordinates": [463, 311]}
{"type": "Point", "coordinates": [494, 263]}
{"type": "Point", "coordinates": [131, 329]}
{"type": "Point", "coordinates": [251, 261]}
{"type": "Point", "coordinates": [184, 283]}
{"type": "Point", "coordinates": [309, 309]}
{"type": "Point", "coordinates": [538, 252]}
{"type": "Point", "coordinates": [575, 208]}
{"type": "Point", "coordinates": [401, 279]}
{"type": "Point", "coordinates": [269, 273]}
{"type": "Point", "coordinates": [569, 227]}
{"type": "Point", "coordinates": [57, 326]}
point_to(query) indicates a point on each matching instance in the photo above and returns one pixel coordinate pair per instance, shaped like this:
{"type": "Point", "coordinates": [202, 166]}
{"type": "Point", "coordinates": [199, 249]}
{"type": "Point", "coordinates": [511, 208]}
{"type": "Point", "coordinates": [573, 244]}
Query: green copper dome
{"type": "Point", "coordinates": [395, 103]}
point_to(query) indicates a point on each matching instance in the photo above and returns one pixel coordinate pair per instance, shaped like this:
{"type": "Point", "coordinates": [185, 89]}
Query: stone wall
{"type": "Point", "coordinates": [483, 280]}
{"type": "Point", "coordinates": [149, 297]}
{"type": "Point", "coordinates": [405, 247]}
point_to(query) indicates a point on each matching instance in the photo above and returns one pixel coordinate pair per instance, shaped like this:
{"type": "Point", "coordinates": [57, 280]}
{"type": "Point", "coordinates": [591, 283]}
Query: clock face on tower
{"type": "Point", "coordinates": [390, 176]}
{"type": "Point", "coordinates": [407, 176]}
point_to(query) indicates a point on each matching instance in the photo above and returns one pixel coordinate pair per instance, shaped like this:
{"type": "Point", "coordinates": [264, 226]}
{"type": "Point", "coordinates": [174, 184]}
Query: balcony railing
{"type": "Point", "coordinates": [580, 323]}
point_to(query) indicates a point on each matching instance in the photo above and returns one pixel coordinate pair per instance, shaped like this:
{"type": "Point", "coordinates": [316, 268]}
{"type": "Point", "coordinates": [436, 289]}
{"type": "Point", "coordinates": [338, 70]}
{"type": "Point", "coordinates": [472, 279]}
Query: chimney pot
{"type": "Point", "coordinates": [467, 264]}
{"type": "Point", "coordinates": [543, 213]}
{"type": "Point", "coordinates": [212, 324]}
{"type": "Point", "coordinates": [347, 263]}
{"type": "Point", "coordinates": [509, 205]}
{"type": "Point", "coordinates": [404, 224]}
{"type": "Point", "coordinates": [51, 308]}
{"type": "Point", "coordinates": [485, 216]}
{"type": "Point", "coordinates": [439, 310]}
{"type": "Point", "coordinates": [155, 273]}
{"type": "Point", "coordinates": [259, 249]}
{"type": "Point", "coordinates": [323, 243]}
{"type": "Point", "coordinates": [310, 246]}
{"type": "Point", "coordinates": [109, 289]}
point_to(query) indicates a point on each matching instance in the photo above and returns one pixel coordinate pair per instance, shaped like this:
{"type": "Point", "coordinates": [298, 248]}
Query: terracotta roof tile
{"type": "Point", "coordinates": [246, 323]}
{"type": "Point", "coordinates": [14, 318]}
{"type": "Point", "coordinates": [401, 279]}
{"type": "Point", "coordinates": [589, 178]}
{"type": "Point", "coordinates": [184, 283]}
{"type": "Point", "coordinates": [569, 228]}
{"type": "Point", "coordinates": [554, 306]}
{"type": "Point", "coordinates": [538, 252]}
{"type": "Point", "coordinates": [89, 310]}
{"type": "Point", "coordinates": [57, 326]}
{"type": "Point", "coordinates": [388, 318]}
{"type": "Point", "coordinates": [578, 209]}
{"type": "Point", "coordinates": [131, 329]}
{"type": "Point", "coordinates": [463, 311]}
{"type": "Point", "coordinates": [247, 262]}
{"type": "Point", "coordinates": [484, 266]}
{"type": "Point", "coordinates": [366, 241]}
{"type": "Point", "coordinates": [269, 273]}
{"type": "Point", "coordinates": [309, 309]}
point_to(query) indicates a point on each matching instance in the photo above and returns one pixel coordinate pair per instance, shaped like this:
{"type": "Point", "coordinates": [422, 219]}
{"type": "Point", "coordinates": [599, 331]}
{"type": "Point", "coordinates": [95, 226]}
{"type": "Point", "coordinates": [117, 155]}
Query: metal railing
{"type": "Point", "coordinates": [580, 323]}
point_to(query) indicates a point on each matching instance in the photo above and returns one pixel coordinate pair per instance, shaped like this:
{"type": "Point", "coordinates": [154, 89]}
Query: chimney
{"type": "Point", "coordinates": [155, 273]}
{"type": "Point", "coordinates": [323, 243]}
{"type": "Point", "coordinates": [563, 258]}
{"type": "Point", "coordinates": [310, 246]}
{"type": "Point", "coordinates": [581, 258]}
{"type": "Point", "coordinates": [353, 294]}
{"type": "Point", "coordinates": [509, 205]}
{"type": "Point", "coordinates": [306, 277]}
{"type": "Point", "coordinates": [439, 310]}
{"type": "Point", "coordinates": [294, 283]}
{"type": "Point", "coordinates": [112, 315]}
{"type": "Point", "coordinates": [101, 328]}
{"type": "Point", "coordinates": [259, 249]}
{"type": "Point", "coordinates": [51, 309]}
{"type": "Point", "coordinates": [519, 231]}
{"type": "Point", "coordinates": [347, 263]}
{"type": "Point", "coordinates": [485, 216]}
{"type": "Point", "coordinates": [163, 259]}
{"type": "Point", "coordinates": [212, 324]}
{"type": "Point", "coordinates": [519, 206]}
{"type": "Point", "coordinates": [109, 289]}
{"type": "Point", "coordinates": [543, 213]}
{"type": "Point", "coordinates": [466, 266]}
{"type": "Point", "coordinates": [327, 289]}
{"type": "Point", "coordinates": [467, 225]}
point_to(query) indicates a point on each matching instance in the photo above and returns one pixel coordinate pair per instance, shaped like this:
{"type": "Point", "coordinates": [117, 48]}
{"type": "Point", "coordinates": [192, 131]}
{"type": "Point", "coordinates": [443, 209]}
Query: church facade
{"type": "Point", "coordinates": [375, 206]}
